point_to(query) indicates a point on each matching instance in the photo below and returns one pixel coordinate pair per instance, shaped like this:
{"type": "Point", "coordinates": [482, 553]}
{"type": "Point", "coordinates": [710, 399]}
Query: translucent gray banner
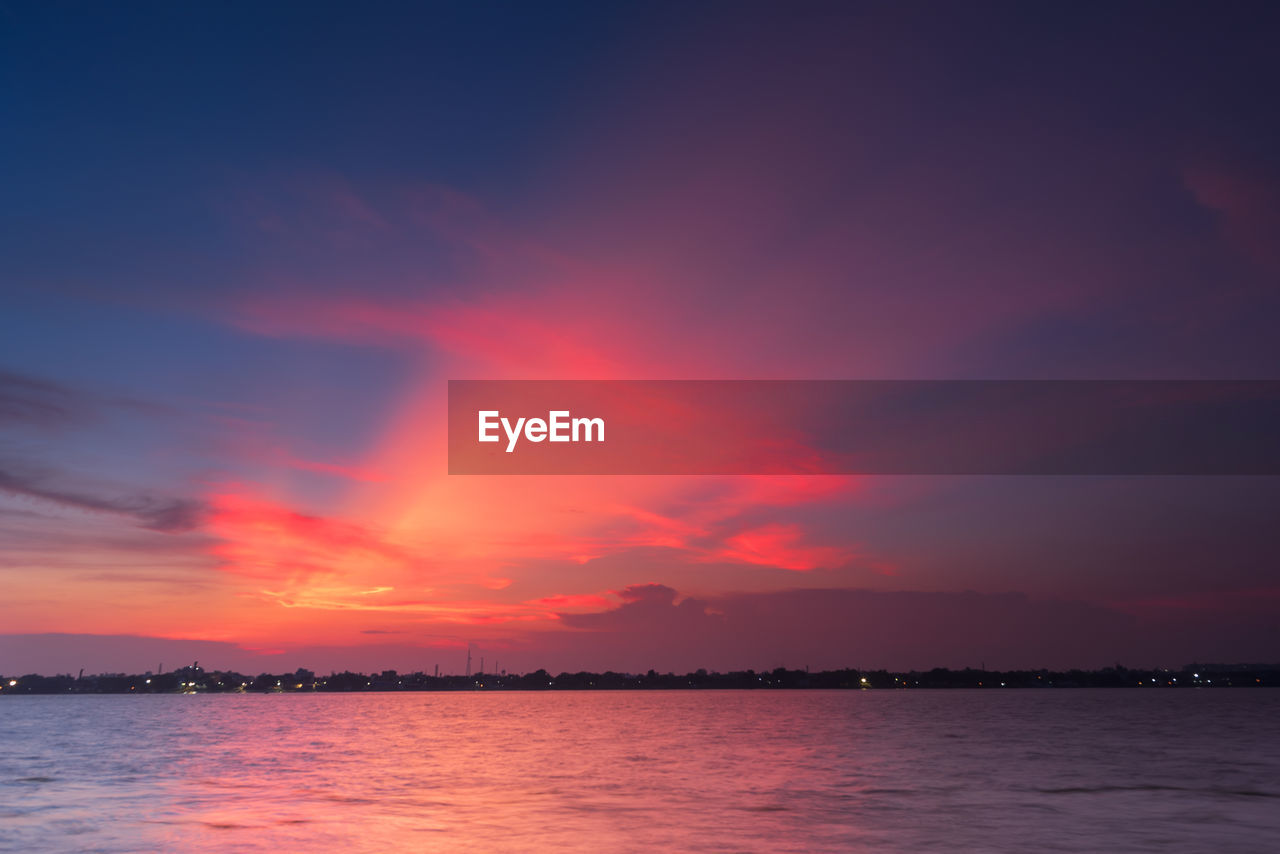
{"type": "Point", "coordinates": [1001, 427]}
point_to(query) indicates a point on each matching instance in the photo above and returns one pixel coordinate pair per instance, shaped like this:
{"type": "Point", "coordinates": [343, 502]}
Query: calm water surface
{"type": "Point", "coordinates": [1070, 770]}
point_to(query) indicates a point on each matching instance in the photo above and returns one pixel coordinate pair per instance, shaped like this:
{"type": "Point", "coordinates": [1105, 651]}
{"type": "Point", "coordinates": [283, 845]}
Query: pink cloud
{"type": "Point", "coordinates": [781, 546]}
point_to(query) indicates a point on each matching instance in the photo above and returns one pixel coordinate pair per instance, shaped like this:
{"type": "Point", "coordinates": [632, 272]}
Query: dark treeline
{"type": "Point", "coordinates": [194, 679]}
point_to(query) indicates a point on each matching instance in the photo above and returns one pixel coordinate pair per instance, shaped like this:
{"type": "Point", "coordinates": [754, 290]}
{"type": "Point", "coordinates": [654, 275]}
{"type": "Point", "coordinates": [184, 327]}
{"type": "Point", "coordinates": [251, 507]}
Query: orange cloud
{"type": "Point", "coordinates": [530, 312]}
{"type": "Point", "coordinates": [262, 538]}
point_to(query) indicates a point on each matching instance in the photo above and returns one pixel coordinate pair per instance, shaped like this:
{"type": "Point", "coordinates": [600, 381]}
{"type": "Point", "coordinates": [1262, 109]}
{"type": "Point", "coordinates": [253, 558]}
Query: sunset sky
{"type": "Point", "coordinates": [244, 247]}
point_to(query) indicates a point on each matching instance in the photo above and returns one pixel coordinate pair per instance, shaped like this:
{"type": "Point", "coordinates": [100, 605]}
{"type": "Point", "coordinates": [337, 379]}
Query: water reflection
{"type": "Point", "coordinates": [731, 771]}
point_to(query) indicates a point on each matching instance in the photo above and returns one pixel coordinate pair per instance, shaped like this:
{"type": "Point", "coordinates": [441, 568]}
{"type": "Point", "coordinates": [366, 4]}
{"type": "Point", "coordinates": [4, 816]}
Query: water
{"type": "Point", "coordinates": [1069, 770]}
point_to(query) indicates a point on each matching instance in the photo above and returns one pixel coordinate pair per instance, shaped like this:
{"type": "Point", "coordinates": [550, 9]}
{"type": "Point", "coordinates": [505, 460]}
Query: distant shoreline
{"type": "Point", "coordinates": [195, 680]}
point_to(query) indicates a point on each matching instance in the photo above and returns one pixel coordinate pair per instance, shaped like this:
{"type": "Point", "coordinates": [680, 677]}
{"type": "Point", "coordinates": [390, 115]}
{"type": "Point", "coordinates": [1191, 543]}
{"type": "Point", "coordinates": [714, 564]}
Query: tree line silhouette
{"type": "Point", "coordinates": [194, 679]}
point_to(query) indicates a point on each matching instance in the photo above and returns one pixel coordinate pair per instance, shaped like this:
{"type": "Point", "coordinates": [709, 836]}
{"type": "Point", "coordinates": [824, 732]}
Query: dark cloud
{"type": "Point", "coordinates": [51, 652]}
{"type": "Point", "coordinates": [44, 405]}
{"type": "Point", "coordinates": [645, 607]}
{"type": "Point", "coordinates": [838, 628]}
{"type": "Point", "coordinates": [37, 402]}
{"type": "Point", "coordinates": [178, 581]}
{"type": "Point", "coordinates": [823, 629]}
{"type": "Point", "coordinates": [28, 401]}
{"type": "Point", "coordinates": [156, 513]}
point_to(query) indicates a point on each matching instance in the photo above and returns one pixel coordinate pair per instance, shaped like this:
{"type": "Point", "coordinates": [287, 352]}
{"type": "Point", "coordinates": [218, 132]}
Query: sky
{"type": "Point", "coordinates": [244, 247]}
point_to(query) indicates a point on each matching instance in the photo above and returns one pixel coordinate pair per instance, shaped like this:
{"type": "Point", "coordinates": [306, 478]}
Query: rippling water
{"type": "Point", "coordinates": [805, 771]}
